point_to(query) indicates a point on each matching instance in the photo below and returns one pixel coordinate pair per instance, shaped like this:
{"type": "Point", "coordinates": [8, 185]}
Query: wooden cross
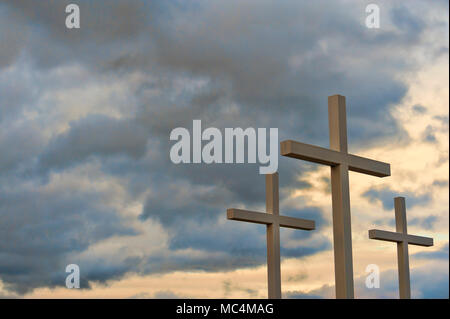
{"type": "Point", "coordinates": [341, 162]}
{"type": "Point", "coordinates": [273, 221]}
{"type": "Point", "coordinates": [402, 238]}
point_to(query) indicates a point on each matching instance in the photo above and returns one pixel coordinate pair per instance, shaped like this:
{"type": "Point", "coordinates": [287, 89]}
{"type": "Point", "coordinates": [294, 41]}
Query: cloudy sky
{"type": "Point", "coordinates": [85, 119]}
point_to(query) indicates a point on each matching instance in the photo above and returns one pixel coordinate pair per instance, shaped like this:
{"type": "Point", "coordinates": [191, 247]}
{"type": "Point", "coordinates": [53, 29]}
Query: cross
{"type": "Point", "coordinates": [273, 221]}
{"type": "Point", "coordinates": [341, 162]}
{"type": "Point", "coordinates": [402, 238]}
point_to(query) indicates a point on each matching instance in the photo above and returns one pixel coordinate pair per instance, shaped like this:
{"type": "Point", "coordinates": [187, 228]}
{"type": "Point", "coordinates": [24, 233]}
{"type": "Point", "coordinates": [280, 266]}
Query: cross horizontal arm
{"type": "Point", "coordinates": [329, 157]}
{"type": "Point", "coordinates": [399, 237]}
{"type": "Point", "coordinates": [311, 153]}
{"type": "Point", "coordinates": [267, 219]}
{"type": "Point", "coordinates": [297, 223]}
{"type": "Point", "coordinates": [386, 235]}
{"type": "Point", "coordinates": [420, 241]}
{"type": "Point", "coordinates": [249, 216]}
{"type": "Point", "coordinates": [367, 166]}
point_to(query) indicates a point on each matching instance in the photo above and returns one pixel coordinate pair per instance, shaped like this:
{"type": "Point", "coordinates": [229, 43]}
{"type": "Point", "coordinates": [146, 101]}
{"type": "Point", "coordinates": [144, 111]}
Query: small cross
{"type": "Point", "coordinates": [273, 221]}
{"type": "Point", "coordinates": [402, 238]}
{"type": "Point", "coordinates": [341, 162]}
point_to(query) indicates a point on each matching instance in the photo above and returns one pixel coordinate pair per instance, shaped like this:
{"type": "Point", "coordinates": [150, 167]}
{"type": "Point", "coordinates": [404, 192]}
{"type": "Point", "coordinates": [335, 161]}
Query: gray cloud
{"type": "Point", "coordinates": [229, 286]}
{"type": "Point", "coordinates": [427, 223]}
{"type": "Point", "coordinates": [442, 119]}
{"type": "Point", "coordinates": [18, 145]}
{"type": "Point", "coordinates": [439, 254]}
{"type": "Point", "coordinates": [408, 23]}
{"type": "Point", "coordinates": [386, 196]}
{"type": "Point", "coordinates": [40, 231]}
{"type": "Point", "coordinates": [300, 295]}
{"type": "Point", "coordinates": [419, 109]}
{"type": "Point", "coordinates": [94, 136]}
{"type": "Point", "coordinates": [14, 37]}
{"type": "Point", "coordinates": [105, 28]}
{"type": "Point", "coordinates": [165, 294]}
{"type": "Point", "coordinates": [428, 135]}
{"type": "Point", "coordinates": [440, 183]}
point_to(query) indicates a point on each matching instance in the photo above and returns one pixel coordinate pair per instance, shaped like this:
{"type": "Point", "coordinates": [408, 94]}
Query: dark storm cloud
{"type": "Point", "coordinates": [40, 230]}
{"type": "Point", "coordinates": [18, 145]}
{"type": "Point", "coordinates": [14, 96]}
{"type": "Point", "coordinates": [94, 136]}
{"type": "Point", "coordinates": [243, 56]}
{"type": "Point", "coordinates": [254, 52]}
{"type": "Point", "coordinates": [386, 197]}
{"type": "Point", "coordinates": [14, 37]}
{"type": "Point", "coordinates": [105, 28]}
{"type": "Point", "coordinates": [407, 22]}
{"type": "Point", "coordinates": [250, 64]}
{"type": "Point", "coordinates": [97, 270]}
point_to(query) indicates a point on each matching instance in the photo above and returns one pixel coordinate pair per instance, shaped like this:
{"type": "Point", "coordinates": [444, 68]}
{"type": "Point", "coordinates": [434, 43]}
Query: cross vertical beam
{"type": "Point", "coordinates": [402, 249]}
{"type": "Point", "coordinates": [337, 123]}
{"type": "Point", "coordinates": [273, 238]}
{"type": "Point", "coordinates": [342, 233]}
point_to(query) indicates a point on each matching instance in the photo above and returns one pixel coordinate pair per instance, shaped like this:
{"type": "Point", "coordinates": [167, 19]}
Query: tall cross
{"type": "Point", "coordinates": [273, 221]}
{"type": "Point", "coordinates": [402, 238]}
{"type": "Point", "coordinates": [341, 162]}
